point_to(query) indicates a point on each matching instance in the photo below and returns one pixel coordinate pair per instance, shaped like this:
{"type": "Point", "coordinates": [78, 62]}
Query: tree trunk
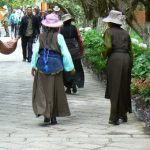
{"type": "Point", "coordinates": [146, 35]}
{"type": "Point", "coordinates": [101, 26]}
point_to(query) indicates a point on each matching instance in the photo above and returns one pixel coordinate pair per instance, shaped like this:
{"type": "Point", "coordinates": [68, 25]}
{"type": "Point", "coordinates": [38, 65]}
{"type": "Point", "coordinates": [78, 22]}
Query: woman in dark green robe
{"type": "Point", "coordinates": [119, 63]}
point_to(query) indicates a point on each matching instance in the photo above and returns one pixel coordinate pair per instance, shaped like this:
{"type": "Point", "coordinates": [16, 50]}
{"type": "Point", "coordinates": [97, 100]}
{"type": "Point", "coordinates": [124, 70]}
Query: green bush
{"type": "Point", "coordinates": [134, 35]}
{"type": "Point", "coordinates": [94, 45]}
{"type": "Point", "coordinates": [141, 66]}
{"type": "Point", "coordinates": [137, 51]}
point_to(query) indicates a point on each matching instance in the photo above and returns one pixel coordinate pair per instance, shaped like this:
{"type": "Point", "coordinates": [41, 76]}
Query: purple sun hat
{"type": "Point", "coordinates": [52, 20]}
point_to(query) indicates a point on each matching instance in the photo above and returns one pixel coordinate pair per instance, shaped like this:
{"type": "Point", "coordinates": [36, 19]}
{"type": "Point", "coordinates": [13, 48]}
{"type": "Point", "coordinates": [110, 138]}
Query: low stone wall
{"type": "Point", "coordinates": [141, 109]}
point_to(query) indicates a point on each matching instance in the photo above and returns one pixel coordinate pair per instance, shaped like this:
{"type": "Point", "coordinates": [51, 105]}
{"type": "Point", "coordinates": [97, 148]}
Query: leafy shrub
{"type": "Point", "coordinates": [141, 66]}
{"type": "Point", "coordinates": [137, 50]}
{"type": "Point", "coordinates": [133, 34]}
{"type": "Point", "coordinates": [94, 45]}
{"type": "Point", "coordinates": [141, 87]}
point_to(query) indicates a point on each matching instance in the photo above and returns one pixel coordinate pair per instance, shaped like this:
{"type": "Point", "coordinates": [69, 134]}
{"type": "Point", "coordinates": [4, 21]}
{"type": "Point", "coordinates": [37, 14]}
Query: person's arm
{"type": "Point", "coordinates": [67, 60]}
{"type": "Point", "coordinates": [107, 43]}
{"type": "Point", "coordinates": [21, 28]}
{"type": "Point", "coordinates": [35, 57]}
{"type": "Point", "coordinates": [35, 54]}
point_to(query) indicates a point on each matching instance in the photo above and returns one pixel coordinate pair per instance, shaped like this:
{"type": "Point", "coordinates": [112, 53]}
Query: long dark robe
{"type": "Point", "coordinates": [118, 76]}
{"type": "Point", "coordinates": [119, 73]}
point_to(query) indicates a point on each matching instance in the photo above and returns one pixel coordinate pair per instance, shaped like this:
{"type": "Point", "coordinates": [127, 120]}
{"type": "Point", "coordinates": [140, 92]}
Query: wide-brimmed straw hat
{"type": "Point", "coordinates": [115, 17]}
{"type": "Point", "coordinates": [52, 20]}
{"type": "Point", "coordinates": [66, 17]}
{"type": "Point", "coordinates": [56, 8]}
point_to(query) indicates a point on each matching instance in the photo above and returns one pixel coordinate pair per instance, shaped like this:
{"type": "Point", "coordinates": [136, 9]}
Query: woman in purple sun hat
{"type": "Point", "coordinates": [49, 98]}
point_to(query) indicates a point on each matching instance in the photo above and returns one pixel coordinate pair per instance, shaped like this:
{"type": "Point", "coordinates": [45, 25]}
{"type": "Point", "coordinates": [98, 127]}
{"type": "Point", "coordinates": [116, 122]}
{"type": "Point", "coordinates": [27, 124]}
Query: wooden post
{"type": "Point", "coordinates": [44, 7]}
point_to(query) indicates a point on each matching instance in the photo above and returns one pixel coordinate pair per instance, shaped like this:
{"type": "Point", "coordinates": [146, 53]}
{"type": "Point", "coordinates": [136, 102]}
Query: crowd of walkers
{"type": "Point", "coordinates": [56, 61]}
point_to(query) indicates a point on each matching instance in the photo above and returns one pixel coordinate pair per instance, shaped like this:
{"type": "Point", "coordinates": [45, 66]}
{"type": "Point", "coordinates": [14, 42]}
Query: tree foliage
{"type": "Point", "coordinates": [101, 8]}
{"type": "Point", "coordinates": [16, 3]}
{"type": "Point", "coordinates": [90, 9]}
{"type": "Point", "coordinates": [74, 7]}
{"type": "Point", "coordinates": [3, 2]}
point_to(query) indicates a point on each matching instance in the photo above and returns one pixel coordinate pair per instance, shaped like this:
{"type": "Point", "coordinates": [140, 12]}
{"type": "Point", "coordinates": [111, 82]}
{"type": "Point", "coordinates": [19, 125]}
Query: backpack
{"type": "Point", "coordinates": [49, 61]}
{"type": "Point", "coordinates": [13, 20]}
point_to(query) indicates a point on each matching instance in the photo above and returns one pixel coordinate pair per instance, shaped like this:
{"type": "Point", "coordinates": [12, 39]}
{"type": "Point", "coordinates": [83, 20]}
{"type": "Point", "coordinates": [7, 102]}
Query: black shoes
{"type": "Point", "coordinates": [46, 120]}
{"type": "Point", "coordinates": [114, 122]}
{"type": "Point", "coordinates": [53, 121]}
{"type": "Point", "coordinates": [74, 89]}
{"type": "Point", "coordinates": [68, 91]}
{"type": "Point", "coordinates": [29, 60]}
{"type": "Point", "coordinates": [124, 118]}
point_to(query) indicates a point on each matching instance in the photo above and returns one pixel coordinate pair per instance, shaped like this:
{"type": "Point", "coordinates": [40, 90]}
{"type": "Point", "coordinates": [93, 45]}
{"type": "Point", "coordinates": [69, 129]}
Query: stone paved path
{"type": "Point", "coordinates": [86, 129]}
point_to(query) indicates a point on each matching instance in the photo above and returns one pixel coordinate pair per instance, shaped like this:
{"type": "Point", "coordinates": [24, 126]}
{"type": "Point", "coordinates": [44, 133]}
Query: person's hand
{"type": "Point", "coordinates": [33, 71]}
{"type": "Point", "coordinates": [73, 72]}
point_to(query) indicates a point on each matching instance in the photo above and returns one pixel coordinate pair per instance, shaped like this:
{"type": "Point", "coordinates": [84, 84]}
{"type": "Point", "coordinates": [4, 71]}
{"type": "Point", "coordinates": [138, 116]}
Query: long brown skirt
{"type": "Point", "coordinates": [49, 98]}
{"type": "Point", "coordinates": [118, 85]}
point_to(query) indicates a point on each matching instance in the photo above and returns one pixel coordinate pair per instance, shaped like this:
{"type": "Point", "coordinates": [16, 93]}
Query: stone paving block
{"type": "Point", "coordinates": [45, 145]}
{"type": "Point", "coordinates": [131, 143]}
{"type": "Point", "coordinates": [10, 146]}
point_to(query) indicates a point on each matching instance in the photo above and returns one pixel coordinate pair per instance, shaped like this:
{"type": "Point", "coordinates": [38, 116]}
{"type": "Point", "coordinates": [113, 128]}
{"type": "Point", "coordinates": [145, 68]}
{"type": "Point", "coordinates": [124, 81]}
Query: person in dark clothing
{"type": "Point", "coordinates": [38, 15]}
{"type": "Point", "coordinates": [73, 41]}
{"type": "Point", "coordinates": [119, 64]}
{"type": "Point", "coordinates": [29, 29]}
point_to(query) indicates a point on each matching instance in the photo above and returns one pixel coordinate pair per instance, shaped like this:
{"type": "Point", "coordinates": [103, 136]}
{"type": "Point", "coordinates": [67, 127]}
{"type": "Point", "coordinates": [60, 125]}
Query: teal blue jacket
{"type": "Point", "coordinates": [17, 20]}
